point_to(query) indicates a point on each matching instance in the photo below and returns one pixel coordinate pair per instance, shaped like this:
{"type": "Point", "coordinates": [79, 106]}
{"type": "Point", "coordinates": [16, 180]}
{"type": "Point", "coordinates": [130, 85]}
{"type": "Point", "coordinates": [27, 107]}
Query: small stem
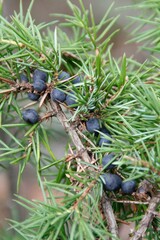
{"type": "Point", "coordinates": [147, 219]}
{"type": "Point", "coordinates": [7, 81]}
{"type": "Point", "coordinates": [71, 131]}
{"type": "Point", "coordinates": [130, 202]}
{"type": "Point", "coordinates": [109, 215]}
{"type": "Point", "coordinates": [108, 211]}
{"type": "Point", "coordinates": [84, 194]}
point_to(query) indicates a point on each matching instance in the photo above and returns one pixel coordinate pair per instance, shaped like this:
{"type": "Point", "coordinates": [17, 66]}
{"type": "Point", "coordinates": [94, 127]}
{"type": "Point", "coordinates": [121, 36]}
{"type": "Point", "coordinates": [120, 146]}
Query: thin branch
{"type": "Point", "coordinates": [70, 55]}
{"type": "Point", "coordinates": [109, 215]}
{"type": "Point", "coordinates": [16, 86]}
{"type": "Point", "coordinates": [147, 219]}
{"type": "Point", "coordinates": [84, 137]}
{"type": "Point", "coordinates": [84, 194]}
{"type": "Point", "coordinates": [8, 90]}
{"type": "Point", "coordinates": [70, 129]}
{"type": "Point", "coordinates": [130, 202]}
{"type": "Point", "coordinates": [7, 81]}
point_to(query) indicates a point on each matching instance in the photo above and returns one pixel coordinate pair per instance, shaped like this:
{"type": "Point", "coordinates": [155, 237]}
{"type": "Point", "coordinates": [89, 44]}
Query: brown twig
{"type": "Point", "coordinates": [109, 215]}
{"type": "Point", "coordinates": [122, 221]}
{"type": "Point", "coordinates": [70, 129]}
{"type": "Point", "coordinates": [147, 219]}
{"type": "Point", "coordinates": [8, 90]}
{"type": "Point", "coordinates": [130, 201]}
{"type": "Point", "coordinates": [47, 115]}
{"type": "Point", "coordinates": [7, 81]}
{"type": "Point", "coordinates": [84, 137]}
{"type": "Point", "coordinates": [16, 86]}
{"type": "Point", "coordinates": [70, 55]}
{"type": "Point", "coordinates": [84, 194]}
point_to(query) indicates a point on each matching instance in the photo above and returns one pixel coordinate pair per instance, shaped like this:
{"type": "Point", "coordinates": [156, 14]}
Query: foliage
{"type": "Point", "coordinates": [123, 94]}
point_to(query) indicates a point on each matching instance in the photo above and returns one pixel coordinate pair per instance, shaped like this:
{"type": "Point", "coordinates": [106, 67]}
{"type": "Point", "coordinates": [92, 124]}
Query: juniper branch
{"type": "Point", "coordinates": [148, 218]}
{"type": "Point", "coordinates": [70, 129]}
{"type": "Point", "coordinates": [107, 208]}
{"type": "Point", "coordinates": [109, 215]}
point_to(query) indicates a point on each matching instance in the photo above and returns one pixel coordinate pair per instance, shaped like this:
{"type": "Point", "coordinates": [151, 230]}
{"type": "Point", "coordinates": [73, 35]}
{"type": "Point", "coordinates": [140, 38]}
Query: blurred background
{"type": "Point", "coordinates": [41, 13]}
{"type": "Point", "coordinates": [42, 9]}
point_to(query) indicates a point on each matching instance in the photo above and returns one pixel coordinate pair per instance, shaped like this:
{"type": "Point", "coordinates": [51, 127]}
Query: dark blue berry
{"type": "Point", "coordinates": [30, 116]}
{"type": "Point", "coordinates": [106, 159]}
{"type": "Point", "coordinates": [70, 99]}
{"type": "Point", "coordinates": [112, 182]}
{"type": "Point", "coordinates": [33, 96]}
{"type": "Point", "coordinates": [58, 95]}
{"type": "Point", "coordinates": [39, 85]}
{"type": "Point", "coordinates": [39, 75]}
{"type": "Point", "coordinates": [76, 80]}
{"type": "Point", "coordinates": [23, 78]}
{"type": "Point", "coordinates": [104, 141]}
{"type": "Point", "coordinates": [104, 130]}
{"type": "Point", "coordinates": [63, 75]}
{"type": "Point", "coordinates": [128, 187]}
{"type": "Point", "coordinates": [92, 125]}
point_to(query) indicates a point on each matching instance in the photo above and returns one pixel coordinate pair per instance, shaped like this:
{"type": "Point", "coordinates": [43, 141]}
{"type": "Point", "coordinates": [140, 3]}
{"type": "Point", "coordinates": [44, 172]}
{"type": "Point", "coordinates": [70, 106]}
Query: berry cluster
{"type": "Point", "coordinates": [111, 181]}
{"type": "Point", "coordinates": [39, 86]}
{"type": "Point", "coordinates": [59, 95]}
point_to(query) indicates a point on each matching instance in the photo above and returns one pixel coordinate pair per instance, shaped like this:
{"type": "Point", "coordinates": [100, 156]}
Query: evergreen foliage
{"type": "Point", "coordinates": [123, 94]}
